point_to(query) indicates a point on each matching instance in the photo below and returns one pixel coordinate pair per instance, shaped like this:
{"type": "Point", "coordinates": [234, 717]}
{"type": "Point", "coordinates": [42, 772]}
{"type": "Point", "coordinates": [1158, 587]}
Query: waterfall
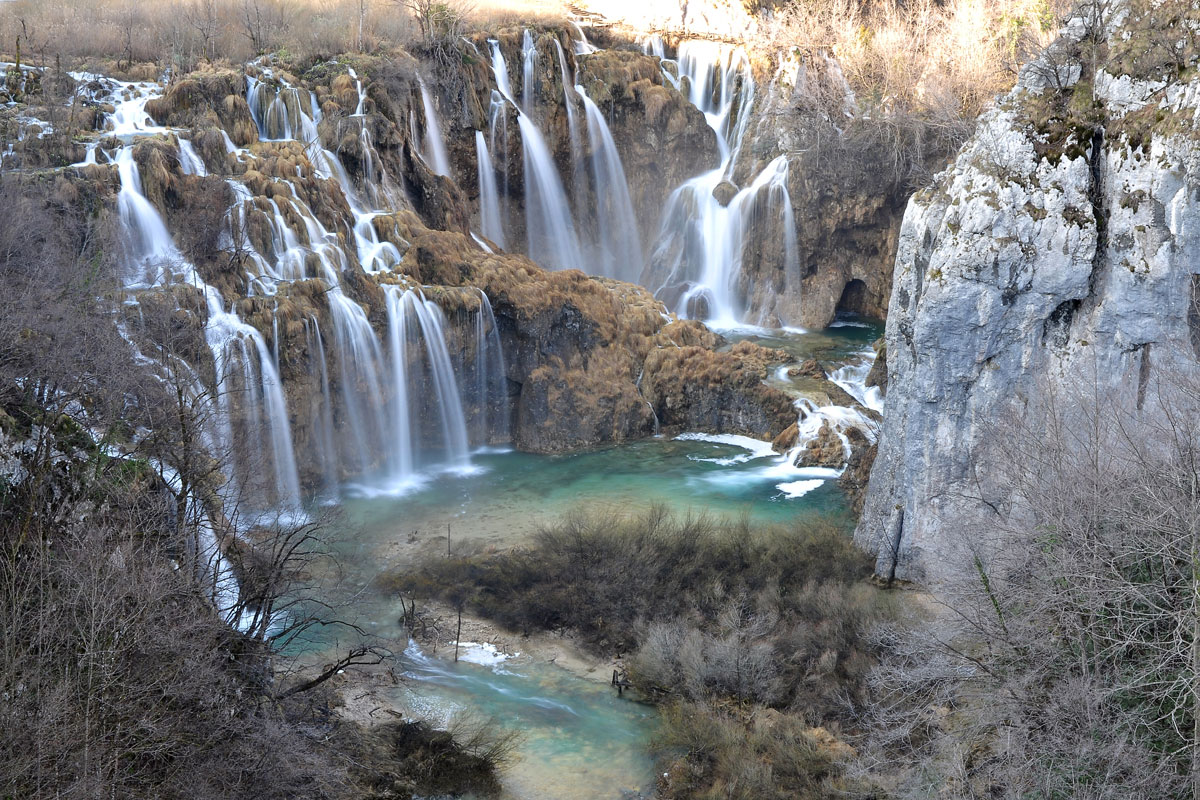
{"type": "Point", "coordinates": [377, 427]}
{"type": "Point", "coordinates": [189, 160]}
{"type": "Point", "coordinates": [550, 232]}
{"type": "Point", "coordinates": [362, 96]}
{"type": "Point", "coordinates": [283, 113]}
{"type": "Point", "coordinates": [652, 45]}
{"type": "Point", "coordinates": [568, 83]}
{"type": "Point", "coordinates": [225, 333]}
{"type": "Point", "coordinates": [413, 318]}
{"type": "Point", "coordinates": [435, 145]}
{"type": "Point", "coordinates": [151, 248]}
{"type": "Point", "coordinates": [500, 71]}
{"type": "Point", "coordinates": [489, 198]}
{"type": "Point", "coordinates": [490, 375]}
{"type": "Point", "coordinates": [582, 46]}
{"type": "Point", "coordinates": [528, 66]}
{"type": "Point", "coordinates": [323, 414]}
{"type": "Point", "coordinates": [498, 123]}
{"type": "Point", "coordinates": [696, 263]}
{"type": "Point", "coordinates": [619, 243]}
{"type": "Point", "coordinates": [236, 348]}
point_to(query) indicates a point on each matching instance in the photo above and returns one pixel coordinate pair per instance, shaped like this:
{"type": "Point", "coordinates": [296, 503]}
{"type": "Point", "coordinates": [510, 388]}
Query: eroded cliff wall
{"type": "Point", "coordinates": [1057, 256]}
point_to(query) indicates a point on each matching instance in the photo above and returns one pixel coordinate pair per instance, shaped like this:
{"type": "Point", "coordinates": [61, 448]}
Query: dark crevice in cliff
{"type": "Point", "coordinates": [1143, 375]}
{"type": "Point", "coordinates": [1056, 329]}
{"type": "Point", "coordinates": [1099, 201]}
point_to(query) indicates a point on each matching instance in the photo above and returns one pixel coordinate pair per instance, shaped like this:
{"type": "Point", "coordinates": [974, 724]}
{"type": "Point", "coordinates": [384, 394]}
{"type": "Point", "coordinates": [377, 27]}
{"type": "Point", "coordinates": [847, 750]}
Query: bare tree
{"type": "Point", "coordinates": [264, 22]}
{"type": "Point", "coordinates": [1073, 657]}
{"type": "Point", "coordinates": [202, 16]}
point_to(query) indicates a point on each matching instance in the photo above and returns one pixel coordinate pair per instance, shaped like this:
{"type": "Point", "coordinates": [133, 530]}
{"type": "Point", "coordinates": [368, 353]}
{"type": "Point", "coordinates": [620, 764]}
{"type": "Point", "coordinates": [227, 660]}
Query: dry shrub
{"type": "Point", "coordinates": [771, 615]}
{"type": "Point", "coordinates": [732, 755]}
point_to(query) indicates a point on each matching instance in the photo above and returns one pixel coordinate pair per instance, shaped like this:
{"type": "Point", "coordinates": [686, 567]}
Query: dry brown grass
{"type": "Point", "coordinates": [935, 59]}
{"type": "Point", "coordinates": [183, 33]}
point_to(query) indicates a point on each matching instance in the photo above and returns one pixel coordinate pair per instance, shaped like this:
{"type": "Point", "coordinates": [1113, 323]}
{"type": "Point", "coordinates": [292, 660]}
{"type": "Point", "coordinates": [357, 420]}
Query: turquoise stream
{"type": "Point", "coordinates": [579, 740]}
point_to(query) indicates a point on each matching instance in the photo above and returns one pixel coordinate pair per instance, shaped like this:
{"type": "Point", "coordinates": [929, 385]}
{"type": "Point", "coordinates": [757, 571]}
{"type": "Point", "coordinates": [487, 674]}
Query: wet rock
{"type": "Point", "coordinates": [786, 440]}
{"type": "Point", "coordinates": [878, 374]}
{"type": "Point", "coordinates": [724, 192]}
{"type": "Point", "coordinates": [808, 369]}
{"type": "Point", "coordinates": [824, 450]}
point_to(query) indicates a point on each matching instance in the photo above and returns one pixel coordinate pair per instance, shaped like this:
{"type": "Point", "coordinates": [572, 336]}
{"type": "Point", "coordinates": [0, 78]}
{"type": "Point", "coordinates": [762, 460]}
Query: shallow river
{"type": "Point", "coordinates": [579, 741]}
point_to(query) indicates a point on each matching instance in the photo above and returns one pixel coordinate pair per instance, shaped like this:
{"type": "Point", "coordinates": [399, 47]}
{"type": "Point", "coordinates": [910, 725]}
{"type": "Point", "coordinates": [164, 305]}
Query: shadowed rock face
{"type": "Point", "coordinates": [847, 218]}
{"type": "Point", "coordinates": [1055, 259]}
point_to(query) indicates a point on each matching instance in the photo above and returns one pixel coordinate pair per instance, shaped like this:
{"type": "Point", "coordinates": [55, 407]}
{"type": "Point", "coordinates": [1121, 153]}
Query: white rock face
{"type": "Point", "coordinates": [1006, 292]}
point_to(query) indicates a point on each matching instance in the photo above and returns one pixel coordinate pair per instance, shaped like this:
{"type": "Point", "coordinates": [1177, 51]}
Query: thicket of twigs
{"type": "Point", "coordinates": [722, 623]}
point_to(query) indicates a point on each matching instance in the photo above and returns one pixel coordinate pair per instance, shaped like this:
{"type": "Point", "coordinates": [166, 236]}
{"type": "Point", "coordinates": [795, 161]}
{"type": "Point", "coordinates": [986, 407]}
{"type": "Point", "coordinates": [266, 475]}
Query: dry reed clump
{"type": "Point", "coordinates": [939, 59]}
{"type": "Point", "coordinates": [138, 40]}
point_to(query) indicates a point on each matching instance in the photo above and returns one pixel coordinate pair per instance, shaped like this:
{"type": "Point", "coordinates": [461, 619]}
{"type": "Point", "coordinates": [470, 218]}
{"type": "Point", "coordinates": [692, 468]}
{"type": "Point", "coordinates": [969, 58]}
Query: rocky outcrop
{"type": "Point", "coordinates": [692, 388]}
{"type": "Point", "coordinates": [1059, 253]}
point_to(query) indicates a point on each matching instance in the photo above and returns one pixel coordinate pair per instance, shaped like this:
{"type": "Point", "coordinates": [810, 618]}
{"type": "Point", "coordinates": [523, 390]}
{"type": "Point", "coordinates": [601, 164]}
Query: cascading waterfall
{"type": "Point", "coordinates": [697, 259]}
{"type": "Point", "coordinates": [321, 411]}
{"type": "Point", "coordinates": [189, 160]}
{"type": "Point", "coordinates": [568, 84]}
{"type": "Point", "coordinates": [698, 254]}
{"type": "Point", "coordinates": [696, 263]}
{"type": "Point", "coordinates": [618, 241]}
{"type": "Point", "coordinates": [151, 247]}
{"type": "Point", "coordinates": [652, 45]}
{"type": "Point", "coordinates": [411, 319]}
{"type": "Point", "coordinates": [267, 406]}
{"type": "Point", "coordinates": [358, 87]}
{"type": "Point", "coordinates": [550, 231]}
{"type": "Point", "coordinates": [490, 381]}
{"type": "Point", "coordinates": [489, 196]}
{"type": "Point", "coordinates": [498, 147]}
{"type": "Point", "coordinates": [378, 409]}
{"type": "Point", "coordinates": [582, 45]}
{"type": "Point", "coordinates": [529, 56]}
{"type": "Point", "coordinates": [550, 234]}
{"type": "Point", "coordinates": [435, 145]}
{"type": "Point", "coordinates": [154, 259]}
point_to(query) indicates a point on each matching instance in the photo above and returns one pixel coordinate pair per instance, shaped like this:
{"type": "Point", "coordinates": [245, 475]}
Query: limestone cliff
{"type": "Point", "coordinates": [1059, 251]}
